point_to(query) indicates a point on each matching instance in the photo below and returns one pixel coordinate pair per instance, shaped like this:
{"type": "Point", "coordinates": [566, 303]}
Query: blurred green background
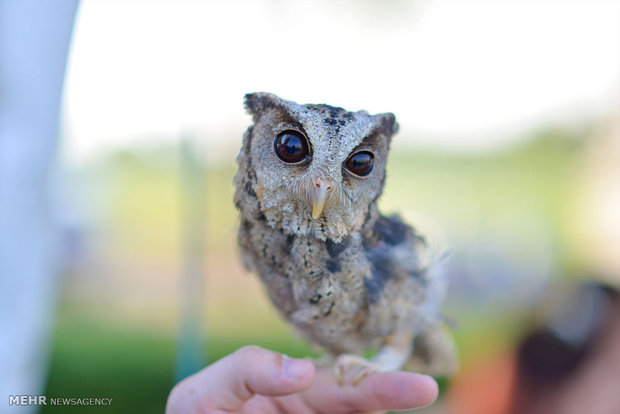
{"type": "Point", "coordinates": [117, 324]}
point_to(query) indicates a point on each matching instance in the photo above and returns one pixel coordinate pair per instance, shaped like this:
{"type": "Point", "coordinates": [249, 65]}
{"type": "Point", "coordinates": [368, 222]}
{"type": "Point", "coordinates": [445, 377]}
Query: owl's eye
{"type": "Point", "coordinates": [291, 146]}
{"type": "Point", "coordinates": [360, 163]}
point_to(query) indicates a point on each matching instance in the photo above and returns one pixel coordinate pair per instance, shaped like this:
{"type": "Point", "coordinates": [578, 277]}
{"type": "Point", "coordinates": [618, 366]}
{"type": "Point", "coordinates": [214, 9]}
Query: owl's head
{"type": "Point", "coordinates": [312, 169]}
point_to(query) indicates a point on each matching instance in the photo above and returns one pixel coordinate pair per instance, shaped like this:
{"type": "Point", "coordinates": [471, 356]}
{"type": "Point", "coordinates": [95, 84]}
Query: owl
{"type": "Point", "coordinates": [350, 280]}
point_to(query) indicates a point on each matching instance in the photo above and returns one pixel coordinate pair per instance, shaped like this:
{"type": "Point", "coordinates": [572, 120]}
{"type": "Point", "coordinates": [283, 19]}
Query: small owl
{"type": "Point", "coordinates": [349, 279]}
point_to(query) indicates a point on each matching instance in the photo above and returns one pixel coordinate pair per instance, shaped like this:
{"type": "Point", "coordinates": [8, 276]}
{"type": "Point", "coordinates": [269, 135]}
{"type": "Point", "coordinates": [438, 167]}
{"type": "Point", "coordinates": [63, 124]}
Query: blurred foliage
{"type": "Point", "coordinates": [131, 364]}
{"type": "Point", "coordinates": [134, 367]}
{"type": "Point", "coordinates": [116, 328]}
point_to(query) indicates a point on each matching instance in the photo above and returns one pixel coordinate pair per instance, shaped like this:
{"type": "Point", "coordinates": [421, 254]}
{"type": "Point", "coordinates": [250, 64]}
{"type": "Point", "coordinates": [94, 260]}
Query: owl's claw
{"type": "Point", "coordinates": [352, 369]}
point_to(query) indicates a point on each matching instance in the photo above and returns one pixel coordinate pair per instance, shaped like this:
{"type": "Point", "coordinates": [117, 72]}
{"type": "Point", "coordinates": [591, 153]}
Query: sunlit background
{"type": "Point", "coordinates": [509, 114]}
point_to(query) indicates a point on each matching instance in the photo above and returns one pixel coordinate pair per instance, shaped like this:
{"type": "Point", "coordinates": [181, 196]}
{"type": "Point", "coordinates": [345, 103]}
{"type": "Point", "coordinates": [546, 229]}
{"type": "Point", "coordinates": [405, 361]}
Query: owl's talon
{"type": "Point", "coordinates": [352, 369]}
{"type": "Point", "coordinates": [363, 373]}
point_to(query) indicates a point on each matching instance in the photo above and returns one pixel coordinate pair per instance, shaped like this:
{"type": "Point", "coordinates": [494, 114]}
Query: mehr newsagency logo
{"type": "Point", "coordinates": [27, 400]}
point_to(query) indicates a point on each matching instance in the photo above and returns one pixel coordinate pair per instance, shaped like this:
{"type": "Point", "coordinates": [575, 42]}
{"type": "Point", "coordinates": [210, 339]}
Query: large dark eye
{"type": "Point", "coordinates": [360, 163]}
{"type": "Point", "coordinates": [291, 146]}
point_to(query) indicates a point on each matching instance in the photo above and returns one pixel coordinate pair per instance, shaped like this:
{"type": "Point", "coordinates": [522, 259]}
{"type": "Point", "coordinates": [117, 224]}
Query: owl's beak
{"type": "Point", "coordinates": [319, 195]}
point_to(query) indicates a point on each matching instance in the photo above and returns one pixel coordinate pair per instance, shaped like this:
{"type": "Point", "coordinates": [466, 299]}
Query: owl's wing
{"type": "Point", "coordinates": [396, 252]}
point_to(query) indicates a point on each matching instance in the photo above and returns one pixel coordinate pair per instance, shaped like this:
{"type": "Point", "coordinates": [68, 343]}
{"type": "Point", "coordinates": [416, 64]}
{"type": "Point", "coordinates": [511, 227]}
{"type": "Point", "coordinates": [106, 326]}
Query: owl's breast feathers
{"type": "Point", "coordinates": [370, 285]}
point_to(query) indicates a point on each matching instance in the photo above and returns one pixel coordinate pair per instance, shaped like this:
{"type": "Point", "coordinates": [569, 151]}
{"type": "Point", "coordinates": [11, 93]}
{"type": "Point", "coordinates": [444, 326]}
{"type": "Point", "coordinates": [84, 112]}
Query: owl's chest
{"type": "Point", "coordinates": [317, 285]}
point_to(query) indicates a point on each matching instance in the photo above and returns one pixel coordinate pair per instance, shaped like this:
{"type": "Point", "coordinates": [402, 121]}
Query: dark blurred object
{"type": "Point", "coordinates": [569, 363]}
{"type": "Point", "coordinates": [555, 357]}
{"type": "Point", "coordinates": [552, 352]}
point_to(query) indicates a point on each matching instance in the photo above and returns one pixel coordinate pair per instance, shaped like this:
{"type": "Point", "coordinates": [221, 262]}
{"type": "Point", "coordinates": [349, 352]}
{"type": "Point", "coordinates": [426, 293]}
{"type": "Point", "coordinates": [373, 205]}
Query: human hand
{"type": "Point", "coordinates": [255, 380]}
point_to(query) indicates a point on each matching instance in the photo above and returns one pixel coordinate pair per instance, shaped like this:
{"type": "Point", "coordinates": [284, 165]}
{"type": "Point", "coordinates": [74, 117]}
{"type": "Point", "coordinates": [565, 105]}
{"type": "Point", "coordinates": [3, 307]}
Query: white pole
{"type": "Point", "coordinates": [34, 42]}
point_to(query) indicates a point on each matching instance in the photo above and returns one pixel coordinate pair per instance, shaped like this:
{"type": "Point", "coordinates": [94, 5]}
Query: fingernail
{"type": "Point", "coordinates": [294, 368]}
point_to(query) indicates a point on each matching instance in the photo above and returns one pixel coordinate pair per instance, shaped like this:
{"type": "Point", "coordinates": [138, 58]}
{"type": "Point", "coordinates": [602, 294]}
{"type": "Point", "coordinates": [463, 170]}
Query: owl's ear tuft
{"type": "Point", "coordinates": [388, 124]}
{"type": "Point", "coordinates": [258, 102]}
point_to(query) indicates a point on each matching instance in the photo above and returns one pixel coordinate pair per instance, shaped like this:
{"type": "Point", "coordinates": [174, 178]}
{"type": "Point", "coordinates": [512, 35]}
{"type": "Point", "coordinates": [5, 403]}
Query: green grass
{"type": "Point", "coordinates": [91, 359]}
{"type": "Point", "coordinates": [134, 366]}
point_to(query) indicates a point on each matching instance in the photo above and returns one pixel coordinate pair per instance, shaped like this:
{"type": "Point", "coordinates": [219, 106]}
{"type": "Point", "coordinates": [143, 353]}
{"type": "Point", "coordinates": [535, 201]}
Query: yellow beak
{"type": "Point", "coordinates": [318, 202]}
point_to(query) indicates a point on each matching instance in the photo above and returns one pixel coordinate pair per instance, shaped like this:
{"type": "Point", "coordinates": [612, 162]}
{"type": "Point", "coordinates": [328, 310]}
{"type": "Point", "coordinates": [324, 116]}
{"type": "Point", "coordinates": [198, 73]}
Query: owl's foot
{"type": "Point", "coordinates": [351, 369]}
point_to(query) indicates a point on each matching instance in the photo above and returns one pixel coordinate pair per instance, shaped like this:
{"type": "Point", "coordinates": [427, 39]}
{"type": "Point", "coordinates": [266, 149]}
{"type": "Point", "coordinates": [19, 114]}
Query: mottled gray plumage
{"type": "Point", "coordinates": [351, 279]}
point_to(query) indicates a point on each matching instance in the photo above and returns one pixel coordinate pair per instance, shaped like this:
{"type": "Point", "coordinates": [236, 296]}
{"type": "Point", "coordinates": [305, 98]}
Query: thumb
{"type": "Point", "coordinates": [230, 382]}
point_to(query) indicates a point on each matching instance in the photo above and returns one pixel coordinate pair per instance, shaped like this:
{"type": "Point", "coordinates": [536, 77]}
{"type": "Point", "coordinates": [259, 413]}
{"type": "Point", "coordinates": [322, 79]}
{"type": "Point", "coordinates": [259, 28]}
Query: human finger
{"type": "Point", "coordinates": [228, 383]}
{"type": "Point", "coordinates": [377, 392]}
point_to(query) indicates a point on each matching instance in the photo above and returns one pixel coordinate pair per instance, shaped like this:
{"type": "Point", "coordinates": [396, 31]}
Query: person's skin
{"type": "Point", "coordinates": [258, 381]}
